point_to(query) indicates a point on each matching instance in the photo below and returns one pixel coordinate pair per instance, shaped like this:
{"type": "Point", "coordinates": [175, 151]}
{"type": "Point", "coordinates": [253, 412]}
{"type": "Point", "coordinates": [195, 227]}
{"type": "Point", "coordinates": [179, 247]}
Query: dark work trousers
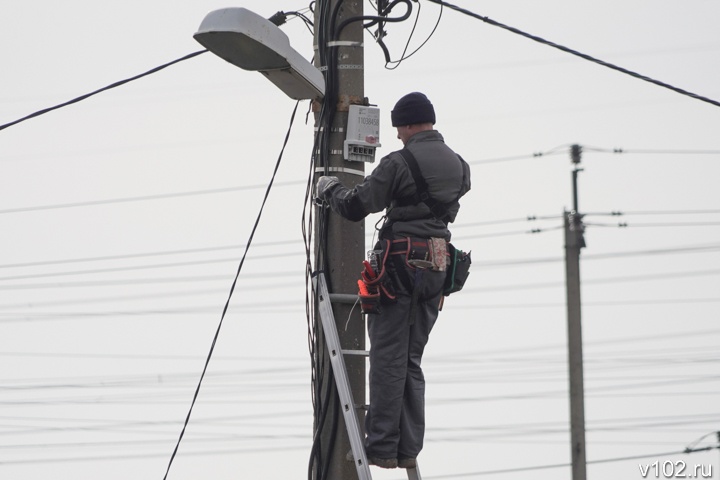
{"type": "Point", "coordinates": [395, 421]}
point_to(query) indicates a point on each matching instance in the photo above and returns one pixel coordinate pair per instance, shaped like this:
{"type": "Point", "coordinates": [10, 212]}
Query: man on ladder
{"type": "Point", "coordinates": [419, 187]}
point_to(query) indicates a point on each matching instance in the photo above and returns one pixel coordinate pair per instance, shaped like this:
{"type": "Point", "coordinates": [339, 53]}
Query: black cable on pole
{"type": "Point", "coordinates": [109, 87]}
{"type": "Point", "coordinates": [404, 56]}
{"type": "Point", "coordinates": [232, 289]}
{"type": "Point", "coordinates": [575, 52]}
{"type": "Point", "coordinates": [321, 380]}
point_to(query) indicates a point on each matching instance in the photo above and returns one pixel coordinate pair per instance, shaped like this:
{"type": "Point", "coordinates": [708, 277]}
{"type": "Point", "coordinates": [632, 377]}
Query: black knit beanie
{"type": "Point", "coordinates": [411, 109]}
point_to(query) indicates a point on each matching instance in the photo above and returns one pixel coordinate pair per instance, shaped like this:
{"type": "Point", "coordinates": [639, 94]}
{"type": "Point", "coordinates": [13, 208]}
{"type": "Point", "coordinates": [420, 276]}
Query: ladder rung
{"type": "Point", "coordinates": [347, 298]}
{"type": "Point", "coordinates": [362, 353]}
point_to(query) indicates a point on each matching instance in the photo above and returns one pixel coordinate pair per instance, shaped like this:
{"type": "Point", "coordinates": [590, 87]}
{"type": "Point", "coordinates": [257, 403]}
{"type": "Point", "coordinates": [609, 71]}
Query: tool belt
{"type": "Point", "coordinates": [422, 253]}
{"type": "Point", "coordinates": [436, 254]}
{"type": "Point", "coordinates": [376, 287]}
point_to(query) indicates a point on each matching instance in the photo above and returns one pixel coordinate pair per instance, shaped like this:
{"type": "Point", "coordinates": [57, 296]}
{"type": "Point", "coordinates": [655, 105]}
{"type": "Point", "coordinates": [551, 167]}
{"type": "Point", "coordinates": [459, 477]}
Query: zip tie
{"type": "Point", "coordinates": [332, 129]}
{"type": "Point", "coordinates": [345, 43]}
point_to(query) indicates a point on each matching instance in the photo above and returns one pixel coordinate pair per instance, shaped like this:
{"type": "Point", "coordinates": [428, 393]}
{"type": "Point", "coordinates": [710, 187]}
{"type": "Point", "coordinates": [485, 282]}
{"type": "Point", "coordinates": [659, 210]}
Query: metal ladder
{"type": "Point", "coordinates": [343, 385]}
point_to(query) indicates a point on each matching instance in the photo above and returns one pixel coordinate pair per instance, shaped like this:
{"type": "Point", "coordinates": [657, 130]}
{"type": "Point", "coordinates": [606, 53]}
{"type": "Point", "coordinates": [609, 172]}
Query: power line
{"type": "Point", "coordinates": [290, 307]}
{"type": "Point", "coordinates": [100, 458]}
{"type": "Point", "coordinates": [564, 465]}
{"type": "Point", "coordinates": [134, 281]}
{"type": "Point", "coordinates": [512, 158]}
{"type": "Point", "coordinates": [232, 289]}
{"type": "Point", "coordinates": [142, 198]}
{"type": "Point", "coordinates": [529, 218]}
{"type": "Point", "coordinates": [214, 191]}
{"type": "Point", "coordinates": [153, 266]}
{"type": "Point", "coordinates": [653, 225]}
{"type": "Point", "coordinates": [576, 53]}
{"type": "Point", "coordinates": [608, 303]}
{"type": "Point", "coordinates": [462, 358]}
{"type": "Point", "coordinates": [707, 248]}
{"type": "Point", "coordinates": [109, 87]}
{"type": "Point", "coordinates": [602, 256]}
{"type": "Point", "coordinates": [143, 254]}
{"type": "Point", "coordinates": [238, 246]}
{"type": "Point", "coordinates": [590, 281]}
{"type": "Point", "coordinates": [651, 151]}
{"type": "Point", "coordinates": [618, 213]}
{"type": "Point", "coordinates": [513, 233]}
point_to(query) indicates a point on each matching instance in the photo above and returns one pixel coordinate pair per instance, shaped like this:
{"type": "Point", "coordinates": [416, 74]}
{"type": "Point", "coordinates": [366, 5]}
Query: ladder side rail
{"type": "Point", "coordinates": [414, 473]}
{"type": "Point", "coordinates": [341, 379]}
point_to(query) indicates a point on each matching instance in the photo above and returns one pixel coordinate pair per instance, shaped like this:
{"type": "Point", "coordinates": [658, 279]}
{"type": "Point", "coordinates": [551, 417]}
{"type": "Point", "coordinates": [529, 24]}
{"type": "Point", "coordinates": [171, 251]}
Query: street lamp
{"type": "Point", "coordinates": [252, 42]}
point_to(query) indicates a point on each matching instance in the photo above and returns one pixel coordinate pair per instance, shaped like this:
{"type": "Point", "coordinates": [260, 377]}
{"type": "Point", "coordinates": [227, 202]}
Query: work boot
{"type": "Point", "coordinates": [383, 462]}
{"type": "Point", "coordinates": [407, 462]}
{"type": "Point", "coordinates": [380, 462]}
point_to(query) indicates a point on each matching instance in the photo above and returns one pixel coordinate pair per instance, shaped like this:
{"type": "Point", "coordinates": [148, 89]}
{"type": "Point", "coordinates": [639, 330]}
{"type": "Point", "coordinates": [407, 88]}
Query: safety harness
{"type": "Point", "coordinates": [438, 209]}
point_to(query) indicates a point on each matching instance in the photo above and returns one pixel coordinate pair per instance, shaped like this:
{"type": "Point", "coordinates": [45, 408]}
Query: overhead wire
{"type": "Point", "coordinates": [254, 286]}
{"type": "Point", "coordinates": [702, 248]}
{"type": "Point", "coordinates": [562, 149]}
{"type": "Point", "coordinates": [584, 56]}
{"type": "Point", "coordinates": [103, 89]}
{"type": "Point", "coordinates": [596, 281]}
{"type": "Point", "coordinates": [150, 267]}
{"type": "Point", "coordinates": [183, 251]}
{"type": "Point", "coordinates": [404, 56]}
{"type": "Point", "coordinates": [252, 385]}
{"type": "Point", "coordinates": [232, 289]}
{"type": "Point", "coordinates": [618, 213]}
{"type": "Point", "coordinates": [652, 225]}
{"type": "Point", "coordinates": [384, 9]}
{"type": "Point", "coordinates": [429, 439]}
{"type": "Point", "coordinates": [142, 198]}
{"type": "Point", "coordinates": [564, 465]}
{"type": "Point", "coordinates": [136, 456]}
{"type": "Point", "coordinates": [618, 150]}
{"type": "Point", "coordinates": [513, 233]}
{"type": "Point", "coordinates": [528, 218]}
{"type": "Point", "coordinates": [248, 244]}
{"type": "Point", "coordinates": [284, 310]}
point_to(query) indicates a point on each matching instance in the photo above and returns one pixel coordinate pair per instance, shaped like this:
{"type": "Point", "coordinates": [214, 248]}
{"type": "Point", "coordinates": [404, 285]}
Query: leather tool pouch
{"type": "Point", "coordinates": [375, 286]}
{"type": "Point", "coordinates": [369, 298]}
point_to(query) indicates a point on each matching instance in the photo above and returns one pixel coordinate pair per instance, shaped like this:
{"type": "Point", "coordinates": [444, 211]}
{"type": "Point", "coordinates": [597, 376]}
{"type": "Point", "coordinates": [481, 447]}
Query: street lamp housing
{"type": "Point", "coordinates": [252, 42]}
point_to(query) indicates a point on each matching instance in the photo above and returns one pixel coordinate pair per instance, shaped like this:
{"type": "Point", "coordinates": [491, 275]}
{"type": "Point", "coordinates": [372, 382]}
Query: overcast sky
{"type": "Point", "coordinates": [124, 218]}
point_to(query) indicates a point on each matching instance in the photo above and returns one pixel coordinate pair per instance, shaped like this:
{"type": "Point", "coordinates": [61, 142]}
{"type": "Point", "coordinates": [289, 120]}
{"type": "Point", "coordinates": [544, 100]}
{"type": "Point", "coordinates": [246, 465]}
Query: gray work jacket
{"type": "Point", "coordinates": [391, 184]}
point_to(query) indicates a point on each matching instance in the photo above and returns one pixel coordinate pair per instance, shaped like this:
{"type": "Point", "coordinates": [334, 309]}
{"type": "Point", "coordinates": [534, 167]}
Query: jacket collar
{"type": "Point", "coordinates": [425, 136]}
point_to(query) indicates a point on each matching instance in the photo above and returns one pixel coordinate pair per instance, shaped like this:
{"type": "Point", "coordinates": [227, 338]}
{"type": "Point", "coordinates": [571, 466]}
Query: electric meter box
{"type": "Point", "coordinates": [363, 134]}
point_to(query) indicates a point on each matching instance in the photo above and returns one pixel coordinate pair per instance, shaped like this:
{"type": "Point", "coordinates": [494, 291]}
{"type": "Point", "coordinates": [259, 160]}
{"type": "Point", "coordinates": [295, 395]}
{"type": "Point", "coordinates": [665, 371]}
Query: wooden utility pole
{"type": "Point", "coordinates": [574, 242]}
{"type": "Point", "coordinates": [344, 244]}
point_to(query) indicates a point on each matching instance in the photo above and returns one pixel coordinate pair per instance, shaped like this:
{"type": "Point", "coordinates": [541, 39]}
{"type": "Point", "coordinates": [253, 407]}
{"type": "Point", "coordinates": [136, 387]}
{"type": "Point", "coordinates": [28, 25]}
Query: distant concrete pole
{"type": "Point", "coordinates": [345, 241]}
{"type": "Point", "coordinates": [574, 242]}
